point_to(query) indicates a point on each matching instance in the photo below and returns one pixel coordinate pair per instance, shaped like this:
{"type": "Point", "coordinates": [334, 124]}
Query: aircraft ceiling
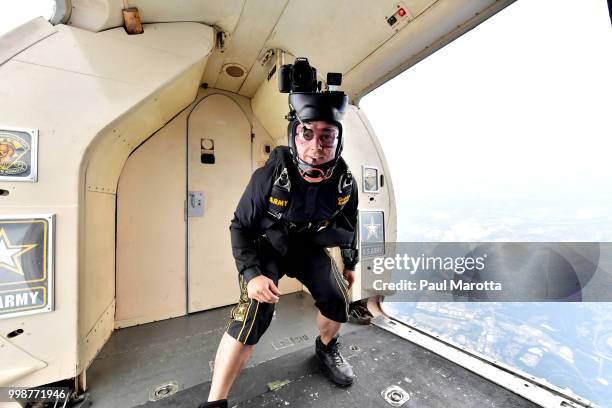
{"type": "Point", "coordinates": [348, 36]}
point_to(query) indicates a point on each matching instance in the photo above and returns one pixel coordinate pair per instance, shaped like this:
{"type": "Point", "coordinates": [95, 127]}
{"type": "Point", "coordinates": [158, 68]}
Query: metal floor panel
{"type": "Point", "coordinates": [137, 359]}
{"type": "Point", "coordinates": [380, 359]}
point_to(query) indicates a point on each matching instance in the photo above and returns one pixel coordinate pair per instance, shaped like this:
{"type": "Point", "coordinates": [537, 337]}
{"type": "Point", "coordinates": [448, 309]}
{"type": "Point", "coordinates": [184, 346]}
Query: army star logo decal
{"type": "Point", "coordinates": [372, 228]}
{"type": "Point", "coordinates": [9, 253]}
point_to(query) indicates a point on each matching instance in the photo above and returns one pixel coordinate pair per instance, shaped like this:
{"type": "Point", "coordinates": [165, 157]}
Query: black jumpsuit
{"type": "Point", "coordinates": [262, 245]}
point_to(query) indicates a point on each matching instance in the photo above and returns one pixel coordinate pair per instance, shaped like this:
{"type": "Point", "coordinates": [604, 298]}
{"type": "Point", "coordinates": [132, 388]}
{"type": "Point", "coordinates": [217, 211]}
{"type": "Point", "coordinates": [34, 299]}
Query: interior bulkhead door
{"type": "Point", "coordinates": [218, 169]}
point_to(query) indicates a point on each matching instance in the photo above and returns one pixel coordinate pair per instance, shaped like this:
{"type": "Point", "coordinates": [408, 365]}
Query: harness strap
{"type": "Point", "coordinates": [280, 195]}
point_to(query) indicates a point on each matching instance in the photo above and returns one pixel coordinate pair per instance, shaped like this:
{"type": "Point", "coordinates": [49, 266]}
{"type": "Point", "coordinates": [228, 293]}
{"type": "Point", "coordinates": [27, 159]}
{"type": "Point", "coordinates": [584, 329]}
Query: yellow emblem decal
{"type": "Point", "coordinates": [239, 312]}
{"type": "Point", "coordinates": [276, 201]}
{"type": "Point", "coordinates": [343, 200]}
{"type": "Point", "coordinates": [13, 151]}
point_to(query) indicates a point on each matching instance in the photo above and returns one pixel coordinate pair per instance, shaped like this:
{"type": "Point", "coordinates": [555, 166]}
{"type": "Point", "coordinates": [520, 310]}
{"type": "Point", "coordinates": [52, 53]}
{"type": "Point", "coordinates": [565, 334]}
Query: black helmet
{"type": "Point", "coordinates": [311, 106]}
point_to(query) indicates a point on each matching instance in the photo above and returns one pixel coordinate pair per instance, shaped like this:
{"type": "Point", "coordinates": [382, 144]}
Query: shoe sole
{"type": "Point", "coordinates": [363, 320]}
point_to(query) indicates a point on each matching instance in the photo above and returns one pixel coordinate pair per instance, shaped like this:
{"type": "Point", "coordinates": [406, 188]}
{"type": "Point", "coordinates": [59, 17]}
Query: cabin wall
{"type": "Point", "coordinates": [101, 169]}
{"type": "Point", "coordinates": [93, 98]}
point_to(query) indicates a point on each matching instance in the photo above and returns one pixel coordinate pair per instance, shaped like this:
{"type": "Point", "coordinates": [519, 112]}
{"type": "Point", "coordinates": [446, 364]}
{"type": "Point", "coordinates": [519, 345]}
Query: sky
{"type": "Point", "coordinates": [504, 134]}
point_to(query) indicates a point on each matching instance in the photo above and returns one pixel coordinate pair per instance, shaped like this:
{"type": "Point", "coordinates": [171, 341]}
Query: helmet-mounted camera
{"type": "Point", "coordinates": [301, 77]}
{"type": "Point", "coordinates": [307, 103]}
{"type": "Point", "coordinates": [297, 77]}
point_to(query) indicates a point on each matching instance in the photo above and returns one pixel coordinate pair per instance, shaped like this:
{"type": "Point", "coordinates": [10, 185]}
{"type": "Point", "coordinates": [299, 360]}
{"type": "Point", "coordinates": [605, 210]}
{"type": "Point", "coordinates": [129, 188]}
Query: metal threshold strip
{"type": "Point", "coordinates": [536, 390]}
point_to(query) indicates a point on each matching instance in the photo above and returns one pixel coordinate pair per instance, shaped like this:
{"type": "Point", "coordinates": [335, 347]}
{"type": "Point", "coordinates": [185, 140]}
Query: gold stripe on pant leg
{"type": "Point", "coordinates": [242, 289]}
{"type": "Point", "coordinates": [245, 319]}
{"type": "Point", "coordinates": [335, 273]}
{"type": "Point", "coordinates": [253, 322]}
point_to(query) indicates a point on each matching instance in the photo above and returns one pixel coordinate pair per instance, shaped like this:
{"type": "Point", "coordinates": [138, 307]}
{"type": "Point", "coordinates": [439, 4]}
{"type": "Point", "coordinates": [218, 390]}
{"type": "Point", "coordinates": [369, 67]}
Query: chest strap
{"type": "Point", "coordinates": [280, 195]}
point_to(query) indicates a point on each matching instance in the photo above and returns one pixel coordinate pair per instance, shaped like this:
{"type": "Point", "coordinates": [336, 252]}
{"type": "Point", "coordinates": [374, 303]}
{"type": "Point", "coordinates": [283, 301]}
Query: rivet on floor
{"type": "Point", "coordinates": [395, 396]}
{"type": "Point", "coordinates": [163, 391]}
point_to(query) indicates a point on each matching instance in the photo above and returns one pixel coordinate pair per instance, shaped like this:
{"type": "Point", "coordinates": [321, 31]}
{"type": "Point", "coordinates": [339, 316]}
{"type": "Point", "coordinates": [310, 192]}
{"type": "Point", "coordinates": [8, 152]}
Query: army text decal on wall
{"type": "Point", "coordinates": [26, 265]}
{"type": "Point", "coordinates": [18, 154]}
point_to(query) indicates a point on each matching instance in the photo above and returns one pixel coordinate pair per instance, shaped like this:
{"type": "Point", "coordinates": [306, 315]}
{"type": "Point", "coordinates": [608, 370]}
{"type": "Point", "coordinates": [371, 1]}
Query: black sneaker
{"type": "Point", "coordinates": [214, 404]}
{"type": "Point", "coordinates": [359, 315]}
{"type": "Point", "coordinates": [334, 364]}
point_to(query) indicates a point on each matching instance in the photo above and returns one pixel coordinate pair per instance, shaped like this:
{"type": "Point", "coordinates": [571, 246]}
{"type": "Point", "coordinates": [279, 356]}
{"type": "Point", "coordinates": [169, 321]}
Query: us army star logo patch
{"type": "Point", "coordinates": [25, 265]}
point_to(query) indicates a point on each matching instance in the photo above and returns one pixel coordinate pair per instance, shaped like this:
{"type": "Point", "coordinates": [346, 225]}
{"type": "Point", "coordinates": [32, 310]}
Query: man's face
{"type": "Point", "coordinates": [316, 142]}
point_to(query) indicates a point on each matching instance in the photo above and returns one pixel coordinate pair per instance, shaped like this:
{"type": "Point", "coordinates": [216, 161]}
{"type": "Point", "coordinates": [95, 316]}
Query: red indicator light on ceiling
{"type": "Point", "coordinates": [401, 12]}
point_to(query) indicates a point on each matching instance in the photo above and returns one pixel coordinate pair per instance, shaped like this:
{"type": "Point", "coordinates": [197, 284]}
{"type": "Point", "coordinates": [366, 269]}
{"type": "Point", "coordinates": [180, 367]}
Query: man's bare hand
{"type": "Point", "coordinates": [263, 289]}
{"type": "Point", "coordinates": [349, 276]}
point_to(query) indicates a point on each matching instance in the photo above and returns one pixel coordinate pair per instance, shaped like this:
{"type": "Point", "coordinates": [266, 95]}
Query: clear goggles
{"type": "Point", "coordinates": [327, 137]}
